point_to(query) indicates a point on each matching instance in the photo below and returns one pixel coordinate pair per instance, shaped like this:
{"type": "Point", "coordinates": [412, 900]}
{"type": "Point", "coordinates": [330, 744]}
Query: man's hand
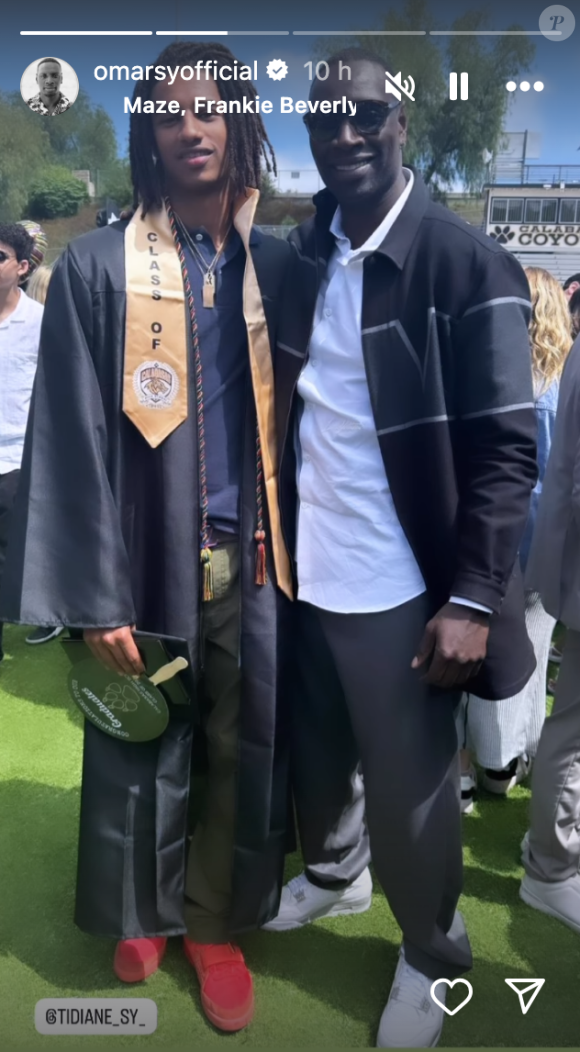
{"type": "Point", "coordinates": [456, 640]}
{"type": "Point", "coordinates": [116, 649]}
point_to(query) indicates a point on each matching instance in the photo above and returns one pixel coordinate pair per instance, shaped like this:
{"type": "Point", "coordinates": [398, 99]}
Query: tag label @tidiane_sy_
{"type": "Point", "coordinates": [95, 1015]}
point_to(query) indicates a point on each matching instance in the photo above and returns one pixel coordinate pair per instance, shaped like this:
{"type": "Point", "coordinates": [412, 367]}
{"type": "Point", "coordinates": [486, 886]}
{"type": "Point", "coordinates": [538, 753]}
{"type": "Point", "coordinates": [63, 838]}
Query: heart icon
{"type": "Point", "coordinates": [451, 983]}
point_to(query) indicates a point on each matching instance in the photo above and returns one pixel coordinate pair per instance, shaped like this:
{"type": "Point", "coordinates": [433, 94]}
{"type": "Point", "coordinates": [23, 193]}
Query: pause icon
{"type": "Point", "coordinates": [463, 84]}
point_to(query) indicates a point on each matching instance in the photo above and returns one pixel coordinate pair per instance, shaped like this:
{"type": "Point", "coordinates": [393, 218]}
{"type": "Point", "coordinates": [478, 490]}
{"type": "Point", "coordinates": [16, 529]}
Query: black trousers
{"type": "Point", "coordinates": [8, 487]}
{"type": "Point", "coordinates": [361, 704]}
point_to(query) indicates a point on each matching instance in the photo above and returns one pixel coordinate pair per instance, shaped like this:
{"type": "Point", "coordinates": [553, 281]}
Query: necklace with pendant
{"type": "Point", "coordinates": [207, 269]}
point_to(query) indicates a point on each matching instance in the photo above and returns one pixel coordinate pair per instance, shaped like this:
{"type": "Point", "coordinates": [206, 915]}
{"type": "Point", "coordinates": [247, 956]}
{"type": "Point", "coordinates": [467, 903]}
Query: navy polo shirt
{"type": "Point", "coordinates": [223, 347]}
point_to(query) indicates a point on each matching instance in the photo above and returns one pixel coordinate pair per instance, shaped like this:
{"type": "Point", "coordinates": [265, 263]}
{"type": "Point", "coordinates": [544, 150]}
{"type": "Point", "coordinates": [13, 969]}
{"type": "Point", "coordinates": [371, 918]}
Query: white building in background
{"type": "Point", "coordinates": [537, 220]}
{"type": "Point", "coordinates": [299, 181]}
{"type": "Point", "coordinates": [534, 209]}
{"type": "Point", "coordinates": [85, 177]}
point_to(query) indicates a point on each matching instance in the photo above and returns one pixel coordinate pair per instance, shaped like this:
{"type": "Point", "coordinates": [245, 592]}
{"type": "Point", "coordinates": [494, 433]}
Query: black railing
{"type": "Point", "coordinates": [514, 173]}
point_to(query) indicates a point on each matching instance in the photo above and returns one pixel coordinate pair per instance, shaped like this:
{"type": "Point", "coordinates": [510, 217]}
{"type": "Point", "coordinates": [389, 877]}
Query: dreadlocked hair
{"type": "Point", "coordinates": [248, 145]}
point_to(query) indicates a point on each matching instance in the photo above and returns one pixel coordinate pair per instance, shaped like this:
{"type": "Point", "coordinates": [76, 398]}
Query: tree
{"type": "Point", "coordinates": [83, 137]}
{"type": "Point", "coordinates": [269, 186]}
{"type": "Point", "coordinates": [115, 182]}
{"type": "Point", "coordinates": [55, 192]}
{"type": "Point", "coordinates": [24, 149]}
{"type": "Point", "coordinates": [445, 138]}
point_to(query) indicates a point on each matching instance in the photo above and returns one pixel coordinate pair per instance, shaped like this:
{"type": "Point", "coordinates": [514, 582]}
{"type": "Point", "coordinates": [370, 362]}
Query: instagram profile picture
{"type": "Point", "coordinates": [49, 86]}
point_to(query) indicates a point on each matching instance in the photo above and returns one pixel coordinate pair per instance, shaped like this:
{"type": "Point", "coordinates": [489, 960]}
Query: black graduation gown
{"type": "Point", "coordinates": [106, 533]}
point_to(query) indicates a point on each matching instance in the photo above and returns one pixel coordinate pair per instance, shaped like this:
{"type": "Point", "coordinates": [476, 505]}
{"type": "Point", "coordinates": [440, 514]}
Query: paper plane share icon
{"type": "Point", "coordinates": [527, 991]}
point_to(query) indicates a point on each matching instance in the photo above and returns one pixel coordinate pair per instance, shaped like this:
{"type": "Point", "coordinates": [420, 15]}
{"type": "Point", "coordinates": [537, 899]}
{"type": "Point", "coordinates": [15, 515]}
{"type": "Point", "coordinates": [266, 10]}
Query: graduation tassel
{"type": "Point", "coordinates": [207, 574]}
{"type": "Point", "coordinates": [261, 575]}
{"type": "Point", "coordinates": [260, 535]}
{"type": "Point", "coordinates": [204, 533]}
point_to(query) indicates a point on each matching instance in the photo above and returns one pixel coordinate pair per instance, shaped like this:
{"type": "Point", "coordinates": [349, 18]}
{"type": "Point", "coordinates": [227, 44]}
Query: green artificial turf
{"type": "Point", "coordinates": [324, 986]}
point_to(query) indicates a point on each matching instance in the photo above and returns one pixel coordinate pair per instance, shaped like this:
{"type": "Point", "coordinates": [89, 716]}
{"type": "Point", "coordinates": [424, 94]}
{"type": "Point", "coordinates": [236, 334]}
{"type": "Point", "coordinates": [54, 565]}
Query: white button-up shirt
{"type": "Point", "coordinates": [352, 554]}
{"type": "Point", "coordinates": [19, 340]}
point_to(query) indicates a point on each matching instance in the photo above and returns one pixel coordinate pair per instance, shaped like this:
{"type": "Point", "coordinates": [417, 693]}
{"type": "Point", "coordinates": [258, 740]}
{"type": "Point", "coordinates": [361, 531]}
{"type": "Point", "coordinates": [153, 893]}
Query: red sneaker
{"type": "Point", "coordinates": [227, 993]}
{"type": "Point", "coordinates": [135, 959]}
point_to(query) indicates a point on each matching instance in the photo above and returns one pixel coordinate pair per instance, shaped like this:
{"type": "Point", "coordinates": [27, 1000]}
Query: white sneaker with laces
{"type": "Point", "coordinates": [411, 1018]}
{"type": "Point", "coordinates": [303, 902]}
{"type": "Point", "coordinates": [557, 898]}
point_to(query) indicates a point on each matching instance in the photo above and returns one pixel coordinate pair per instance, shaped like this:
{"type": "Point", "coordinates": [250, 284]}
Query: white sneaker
{"type": "Point", "coordinates": [43, 635]}
{"type": "Point", "coordinates": [411, 1018]}
{"type": "Point", "coordinates": [500, 782]}
{"type": "Point", "coordinates": [468, 789]}
{"type": "Point", "coordinates": [303, 902]}
{"type": "Point", "coordinates": [558, 898]}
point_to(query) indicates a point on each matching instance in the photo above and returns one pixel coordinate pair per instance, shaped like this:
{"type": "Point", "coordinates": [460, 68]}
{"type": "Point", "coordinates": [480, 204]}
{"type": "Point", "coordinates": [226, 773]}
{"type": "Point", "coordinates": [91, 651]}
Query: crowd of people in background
{"type": "Point", "coordinates": [392, 670]}
{"type": "Point", "coordinates": [513, 737]}
{"type": "Point", "coordinates": [572, 290]}
{"type": "Point", "coordinates": [23, 288]}
{"type": "Point", "coordinates": [504, 737]}
{"type": "Point", "coordinates": [20, 322]}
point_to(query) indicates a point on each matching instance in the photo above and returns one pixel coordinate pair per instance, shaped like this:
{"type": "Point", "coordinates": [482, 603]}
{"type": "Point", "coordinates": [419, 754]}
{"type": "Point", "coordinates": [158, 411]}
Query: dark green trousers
{"type": "Point", "coordinates": [208, 885]}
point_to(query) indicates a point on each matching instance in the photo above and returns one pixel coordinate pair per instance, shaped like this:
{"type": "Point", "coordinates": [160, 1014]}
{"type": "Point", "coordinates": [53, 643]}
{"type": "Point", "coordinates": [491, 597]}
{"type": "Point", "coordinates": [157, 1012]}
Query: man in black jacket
{"type": "Point", "coordinates": [407, 446]}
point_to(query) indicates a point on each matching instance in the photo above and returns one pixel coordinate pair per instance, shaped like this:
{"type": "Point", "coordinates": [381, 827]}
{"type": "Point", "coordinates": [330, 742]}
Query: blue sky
{"type": "Point", "coordinates": [553, 113]}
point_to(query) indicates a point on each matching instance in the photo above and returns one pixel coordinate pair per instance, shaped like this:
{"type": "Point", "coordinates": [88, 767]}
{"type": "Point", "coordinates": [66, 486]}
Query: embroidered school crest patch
{"type": "Point", "coordinates": [156, 385]}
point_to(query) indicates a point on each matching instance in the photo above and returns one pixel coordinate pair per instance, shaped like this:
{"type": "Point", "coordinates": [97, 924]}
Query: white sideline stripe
{"type": "Point", "coordinates": [378, 328]}
{"type": "Point", "coordinates": [442, 419]}
{"type": "Point", "coordinates": [502, 409]}
{"type": "Point", "coordinates": [415, 423]}
{"type": "Point", "coordinates": [290, 350]}
{"type": "Point", "coordinates": [396, 324]}
{"type": "Point", "coordinates": [497, 303]}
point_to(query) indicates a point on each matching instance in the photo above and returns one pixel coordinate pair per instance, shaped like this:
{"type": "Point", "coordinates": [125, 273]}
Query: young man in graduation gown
{"type": "Point", "coordinates": [407, 451]}
{"type": "Point", "coordinates": [149, 499]}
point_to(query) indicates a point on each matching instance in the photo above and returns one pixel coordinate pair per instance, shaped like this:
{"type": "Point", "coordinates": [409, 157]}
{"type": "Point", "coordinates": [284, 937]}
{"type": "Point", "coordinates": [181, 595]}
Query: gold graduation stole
{"type": "Point", "coordinates": [155, 376]}
{"type": "Point", "coordinates": [156, 345]}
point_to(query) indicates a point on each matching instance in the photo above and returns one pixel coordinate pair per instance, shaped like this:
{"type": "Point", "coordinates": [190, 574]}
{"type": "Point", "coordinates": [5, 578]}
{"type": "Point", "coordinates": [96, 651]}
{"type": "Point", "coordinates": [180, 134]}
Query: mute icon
{"type": "Point", "coordinates": [464, 86]}
{"type": "Point", "coordinates": [395, 85]}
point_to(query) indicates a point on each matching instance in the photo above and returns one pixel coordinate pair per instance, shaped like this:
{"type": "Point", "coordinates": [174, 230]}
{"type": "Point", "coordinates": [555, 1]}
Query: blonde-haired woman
{"type": "Point", "coordinates": [504, 735]}
{"type": "Point", "coordinates": [37, 287]}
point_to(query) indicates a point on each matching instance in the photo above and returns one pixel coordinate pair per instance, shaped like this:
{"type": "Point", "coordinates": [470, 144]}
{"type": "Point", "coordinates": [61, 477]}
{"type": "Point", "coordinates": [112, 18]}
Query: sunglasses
{"type": "Point", "coordinates": [4, 256]}
{"type": "Point", "coordinates": [369, 119]}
